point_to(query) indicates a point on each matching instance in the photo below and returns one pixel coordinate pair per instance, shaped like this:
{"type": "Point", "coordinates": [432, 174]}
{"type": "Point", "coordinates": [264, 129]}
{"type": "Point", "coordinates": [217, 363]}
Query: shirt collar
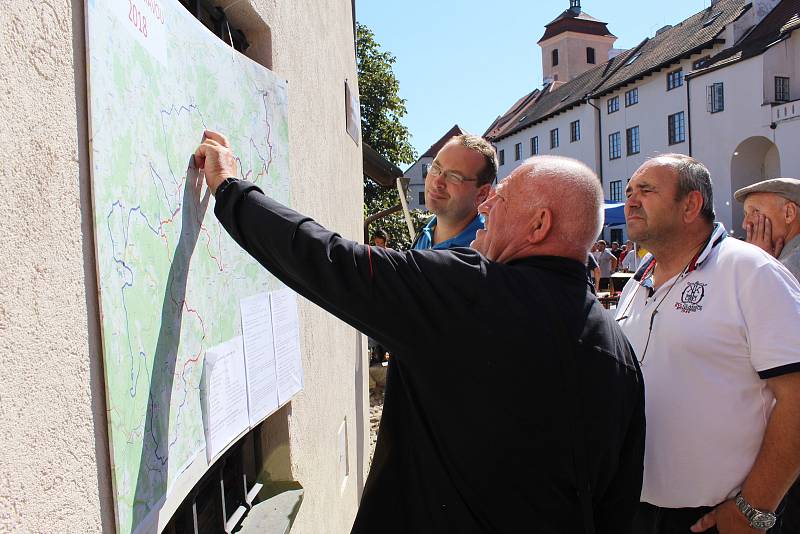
{"type": "Point", "coordinates": [463, 239]}
{"type": "Point", "coordinates": [718, 233]}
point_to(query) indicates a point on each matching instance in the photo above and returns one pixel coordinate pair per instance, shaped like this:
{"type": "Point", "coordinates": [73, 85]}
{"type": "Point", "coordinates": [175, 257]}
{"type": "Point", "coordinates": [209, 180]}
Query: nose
{"type": "Point", "coordinates": [437, 182]}
{"type": "Point", "coordinates": [486, 205]}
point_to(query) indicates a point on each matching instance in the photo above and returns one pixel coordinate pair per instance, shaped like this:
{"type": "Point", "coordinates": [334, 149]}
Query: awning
{"type": "Point", "coordinates": [614, 214]}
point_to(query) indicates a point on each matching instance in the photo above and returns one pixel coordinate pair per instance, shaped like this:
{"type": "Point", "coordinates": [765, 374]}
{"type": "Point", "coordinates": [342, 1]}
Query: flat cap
{"type": "Point", "coordinates": [788, 188]}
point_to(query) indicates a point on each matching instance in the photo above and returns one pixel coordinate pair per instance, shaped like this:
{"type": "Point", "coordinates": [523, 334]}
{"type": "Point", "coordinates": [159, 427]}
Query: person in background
{"type": "Point", "coordinates": [458, 180]}
{"type": "Point", "coordinates": [630, 262]}
{"type": "Point", "coordinates": [607, 262]}
{"type": "Point", "coordinates": [772, 219]}
{"type": "Point", "coordinates": [574, 469]}
{"type": "Point", "coordinates": [380, 238]}
{"type": "Point", "coordinates": [616, 250]}
{"type": "Point", "coordinates": [713, 321]}
{"type": "Point", "coordinates": [593, 272]}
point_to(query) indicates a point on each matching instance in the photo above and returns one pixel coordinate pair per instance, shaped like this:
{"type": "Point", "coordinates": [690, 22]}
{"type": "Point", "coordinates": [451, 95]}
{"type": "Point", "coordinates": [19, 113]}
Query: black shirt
{"type": "Point", "coordinates": [476, 433]}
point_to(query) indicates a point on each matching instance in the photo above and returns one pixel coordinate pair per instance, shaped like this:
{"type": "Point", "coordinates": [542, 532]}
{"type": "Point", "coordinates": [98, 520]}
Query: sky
{"type": "Point", "coordinates": [467, 61]}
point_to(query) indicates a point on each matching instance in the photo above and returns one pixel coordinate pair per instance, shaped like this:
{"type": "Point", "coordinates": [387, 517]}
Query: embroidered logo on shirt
{"type": "Point", "coordinates": [691, 297]}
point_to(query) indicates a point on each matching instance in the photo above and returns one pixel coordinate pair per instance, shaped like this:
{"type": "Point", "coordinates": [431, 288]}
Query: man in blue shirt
{"type": "Point", "coordinates": [458, 181]}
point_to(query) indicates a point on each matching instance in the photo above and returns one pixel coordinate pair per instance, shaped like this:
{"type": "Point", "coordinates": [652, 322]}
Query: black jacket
{"type": "Point", "coordinates": [477, 430]}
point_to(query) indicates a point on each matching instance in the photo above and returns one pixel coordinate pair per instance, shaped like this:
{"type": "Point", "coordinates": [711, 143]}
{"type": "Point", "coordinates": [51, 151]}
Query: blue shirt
{"type": "Point", "coordinates": [463, 239]}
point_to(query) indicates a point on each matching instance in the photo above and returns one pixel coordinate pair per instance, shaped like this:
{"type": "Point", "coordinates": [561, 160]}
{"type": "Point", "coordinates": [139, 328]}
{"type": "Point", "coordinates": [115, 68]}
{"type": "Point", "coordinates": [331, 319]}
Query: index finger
{"type": "Point", "coordinates": [218, 137]}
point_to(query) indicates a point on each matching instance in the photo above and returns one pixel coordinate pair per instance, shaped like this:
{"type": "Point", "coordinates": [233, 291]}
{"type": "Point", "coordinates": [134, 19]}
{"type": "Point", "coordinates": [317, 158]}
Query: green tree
{"type": "Point", "coordinates": [381, 127]}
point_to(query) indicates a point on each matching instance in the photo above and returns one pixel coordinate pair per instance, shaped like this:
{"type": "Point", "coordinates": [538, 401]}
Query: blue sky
{"type": "Point", "coordinates": [468, 61]}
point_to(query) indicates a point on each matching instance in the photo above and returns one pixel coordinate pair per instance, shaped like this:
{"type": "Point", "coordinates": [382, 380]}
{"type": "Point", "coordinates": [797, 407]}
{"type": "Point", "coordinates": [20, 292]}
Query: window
{"type": "Point", "coordinates": [716, 98]}
{"type": "Point", "coordinates": [517, 151]}
{"type": "Point", "coordinates": [501, 156]}
{"type": "Point", "coordinates": [632, 140]}
{"type": "Point", "coordinates": [613, 104]}
{"type": "Point", "coordinates": [676, 128]}
{"type": "Point", "coordinates": [781, 89]}
{"type": "Point", "coordinates": [633, 58]}
{"type": "Point", "coordinates": [425, 168]}
{"type": "Point", "coordinates": [534, 145]}
{"type": "Point", "coordinates": [614, 146]}
{"type": "Point", "coordinates": [216, 21]}
{"type": "Point", "coordinates": [616, 235]}
{"type": "Point", "coordinates": [574, 131]}
{"type": "Point", "coordinates": [590, 55]}
{"type": "Point", "coordinates": [615, 191]}
{"type": "Point", "coordinates": [554, 138]}
{"type": "Point", "coordinates": [674, 79]}
{"type": "Point", "coordinates": [422, 198]}
{"type": "Point", "coordinates": [632, 97]}
{"type": "Point", "coordinates": [555, 57]}
{"type": "Point", "coordinates": [700, 63]}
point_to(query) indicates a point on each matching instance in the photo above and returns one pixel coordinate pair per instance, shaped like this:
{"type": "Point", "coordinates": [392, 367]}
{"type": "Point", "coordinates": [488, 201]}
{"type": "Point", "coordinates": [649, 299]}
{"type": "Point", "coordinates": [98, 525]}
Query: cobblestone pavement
{"type": "Point", "coordinates": [375, 411]}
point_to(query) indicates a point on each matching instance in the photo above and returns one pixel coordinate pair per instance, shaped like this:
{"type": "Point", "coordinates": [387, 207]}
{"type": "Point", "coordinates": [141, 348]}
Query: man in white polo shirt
{"type": "Point", "coordinates": [714, 323]}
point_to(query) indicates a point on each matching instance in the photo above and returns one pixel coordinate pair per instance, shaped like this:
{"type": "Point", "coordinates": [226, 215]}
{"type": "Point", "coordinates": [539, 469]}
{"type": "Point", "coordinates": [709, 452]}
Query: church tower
{"type": "Point", "coordinates": [573, 43]}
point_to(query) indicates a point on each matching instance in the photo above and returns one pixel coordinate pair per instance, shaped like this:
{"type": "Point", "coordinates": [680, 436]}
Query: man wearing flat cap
{"type": "Point", "coordinates": [772, 219]}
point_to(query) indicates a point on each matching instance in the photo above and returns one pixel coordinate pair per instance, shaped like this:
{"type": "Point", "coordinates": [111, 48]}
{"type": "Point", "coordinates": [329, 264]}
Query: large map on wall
{"type": "Point", "coordinates": [170, 278]}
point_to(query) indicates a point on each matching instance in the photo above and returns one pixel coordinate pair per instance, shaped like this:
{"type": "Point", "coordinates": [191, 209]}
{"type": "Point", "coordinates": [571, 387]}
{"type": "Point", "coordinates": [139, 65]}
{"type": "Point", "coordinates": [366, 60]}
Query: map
{"type": "Point", "coordinates": [170, 278]}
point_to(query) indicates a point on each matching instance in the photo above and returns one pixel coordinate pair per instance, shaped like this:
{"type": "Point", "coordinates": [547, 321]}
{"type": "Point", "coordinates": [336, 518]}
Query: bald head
{"type": "Point", "coordinates": [573, 192]}
{"type": "Point", "coordinates": [551, 206]}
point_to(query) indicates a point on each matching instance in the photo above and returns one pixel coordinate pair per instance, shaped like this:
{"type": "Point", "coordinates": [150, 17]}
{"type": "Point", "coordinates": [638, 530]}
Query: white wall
{"type": "Point", "coordinates": [53, 430]}
{"type": "Point", "coordinates": [583, 150]}
{"type": "Point", "coordinates": [716, 136]}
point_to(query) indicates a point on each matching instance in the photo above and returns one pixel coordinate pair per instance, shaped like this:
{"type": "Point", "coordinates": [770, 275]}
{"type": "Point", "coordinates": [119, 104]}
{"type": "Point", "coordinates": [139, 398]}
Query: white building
{"type": "Point", "coordinates": [645, 101]}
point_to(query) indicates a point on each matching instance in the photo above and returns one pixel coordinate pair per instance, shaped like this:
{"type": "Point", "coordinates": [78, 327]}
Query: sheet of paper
{"type": "Point", "coordinates": [286, 331]}
{"type": "Point", "coordinates": [223, 393]}
{"type": "Point", "coordinates": [259, 357]}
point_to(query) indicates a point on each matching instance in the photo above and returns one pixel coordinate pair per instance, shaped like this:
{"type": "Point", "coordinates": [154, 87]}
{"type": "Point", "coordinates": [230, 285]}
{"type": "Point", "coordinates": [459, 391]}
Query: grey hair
{"type": "Point", "coordinates": [692, 176]}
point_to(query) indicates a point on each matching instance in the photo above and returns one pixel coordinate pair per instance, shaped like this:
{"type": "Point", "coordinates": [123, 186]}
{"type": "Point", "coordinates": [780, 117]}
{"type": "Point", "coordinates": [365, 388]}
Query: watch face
{"type": "Point", "coordinates": [763, 521]}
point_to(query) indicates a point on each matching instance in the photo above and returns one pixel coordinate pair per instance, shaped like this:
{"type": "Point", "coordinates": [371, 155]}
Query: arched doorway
{"type": "Point", "coordinates": [755, 159]}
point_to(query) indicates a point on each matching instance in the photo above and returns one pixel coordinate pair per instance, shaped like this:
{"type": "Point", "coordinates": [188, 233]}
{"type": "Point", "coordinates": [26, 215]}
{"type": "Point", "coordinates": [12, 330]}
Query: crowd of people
{"type": "Point", "coordinates": [516, 402]}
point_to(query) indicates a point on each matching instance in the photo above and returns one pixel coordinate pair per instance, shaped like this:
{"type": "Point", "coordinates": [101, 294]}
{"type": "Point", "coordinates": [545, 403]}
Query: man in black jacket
{"type": "Point", "coordinates": [540, 425]}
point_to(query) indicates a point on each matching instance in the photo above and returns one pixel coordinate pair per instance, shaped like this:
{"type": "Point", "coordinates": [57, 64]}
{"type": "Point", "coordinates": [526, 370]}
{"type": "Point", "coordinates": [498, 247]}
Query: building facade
{"type": "Point", "coordinates": [656, 98]}
{"type": "Point", "coordinates": [57, 475]}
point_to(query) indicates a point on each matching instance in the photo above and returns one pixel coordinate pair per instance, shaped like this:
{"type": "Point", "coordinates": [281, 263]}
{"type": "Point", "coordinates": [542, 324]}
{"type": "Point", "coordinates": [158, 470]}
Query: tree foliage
{"type": "Point", "coordinates": [381, 127]}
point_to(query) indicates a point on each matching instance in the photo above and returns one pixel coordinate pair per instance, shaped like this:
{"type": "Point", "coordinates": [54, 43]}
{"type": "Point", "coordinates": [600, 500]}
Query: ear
{"type": "Point", "coordinates": [483, 194]}
{"type": "Point", "coordinates": [692, 205]}
{"type": "Point", "coordinates": [540, 225]}
{"type": "Point", "coordinates": [790, 212]}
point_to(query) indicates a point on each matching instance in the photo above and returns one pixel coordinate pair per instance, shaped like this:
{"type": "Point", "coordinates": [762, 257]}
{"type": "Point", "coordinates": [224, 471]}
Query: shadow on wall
{"type": "Point", "coordinates": [151, 483]}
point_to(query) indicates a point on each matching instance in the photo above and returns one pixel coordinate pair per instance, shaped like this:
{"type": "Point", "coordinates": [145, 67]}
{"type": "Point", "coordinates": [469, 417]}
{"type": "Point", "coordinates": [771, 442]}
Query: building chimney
{"type": "Point", "coordinates": [575, 5]}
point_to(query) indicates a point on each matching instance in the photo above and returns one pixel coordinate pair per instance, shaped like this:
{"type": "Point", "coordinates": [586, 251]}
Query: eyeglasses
{"type": "Point", "coordinates": [452, 177]}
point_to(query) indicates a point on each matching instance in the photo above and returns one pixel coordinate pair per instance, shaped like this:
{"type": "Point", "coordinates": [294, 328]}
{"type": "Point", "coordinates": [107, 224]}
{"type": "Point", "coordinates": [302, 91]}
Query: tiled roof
{"type": "Point", "coordinates": [781, 21]}
{"type": "Point", "coordinates": [437, 146]}
{"type": "Point", "coordinates": [575, 21]}
{"type": "Point", "coordinates": [694, 34]}
{"type": "Point", "coordinates": [554, 98]}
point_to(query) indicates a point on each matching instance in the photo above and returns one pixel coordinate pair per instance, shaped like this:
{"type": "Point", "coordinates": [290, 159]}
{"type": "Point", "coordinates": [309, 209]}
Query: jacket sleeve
{"type": "Point", "coordinates": [384, 293]}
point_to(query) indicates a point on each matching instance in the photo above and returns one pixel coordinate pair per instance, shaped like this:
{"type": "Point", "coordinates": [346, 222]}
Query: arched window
{"type": "Point", "coordinates": [590, 55]}
{"type": "Point", "coordinates": [555, 57]}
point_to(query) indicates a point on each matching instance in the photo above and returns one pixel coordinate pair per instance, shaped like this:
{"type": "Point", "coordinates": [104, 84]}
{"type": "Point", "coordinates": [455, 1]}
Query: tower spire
{"type": "Point", "coordinates": [575, 5]}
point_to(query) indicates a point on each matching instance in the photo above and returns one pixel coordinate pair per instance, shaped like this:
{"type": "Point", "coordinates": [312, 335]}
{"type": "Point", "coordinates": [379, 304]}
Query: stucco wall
{"type": "Point", "coordinates": [53, 434]}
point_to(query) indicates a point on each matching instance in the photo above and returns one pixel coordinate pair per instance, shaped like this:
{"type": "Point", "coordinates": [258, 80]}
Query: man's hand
{"type": "Point", "coordinates": [760, 235]}
{"type": "Point", "coordinates": [728, 520]}
{"type": "Point", "coordinates": [216, 159]}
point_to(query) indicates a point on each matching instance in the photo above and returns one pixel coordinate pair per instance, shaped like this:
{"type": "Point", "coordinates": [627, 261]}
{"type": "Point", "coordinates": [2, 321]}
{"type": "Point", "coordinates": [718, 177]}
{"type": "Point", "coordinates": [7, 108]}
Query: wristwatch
{"type": "Point", "coordinates": [759, 519]}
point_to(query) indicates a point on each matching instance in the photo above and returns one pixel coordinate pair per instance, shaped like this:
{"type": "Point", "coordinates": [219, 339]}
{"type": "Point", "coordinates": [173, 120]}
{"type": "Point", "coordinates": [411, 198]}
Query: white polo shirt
{"type": "Point", "coordinates": [716, 331]}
